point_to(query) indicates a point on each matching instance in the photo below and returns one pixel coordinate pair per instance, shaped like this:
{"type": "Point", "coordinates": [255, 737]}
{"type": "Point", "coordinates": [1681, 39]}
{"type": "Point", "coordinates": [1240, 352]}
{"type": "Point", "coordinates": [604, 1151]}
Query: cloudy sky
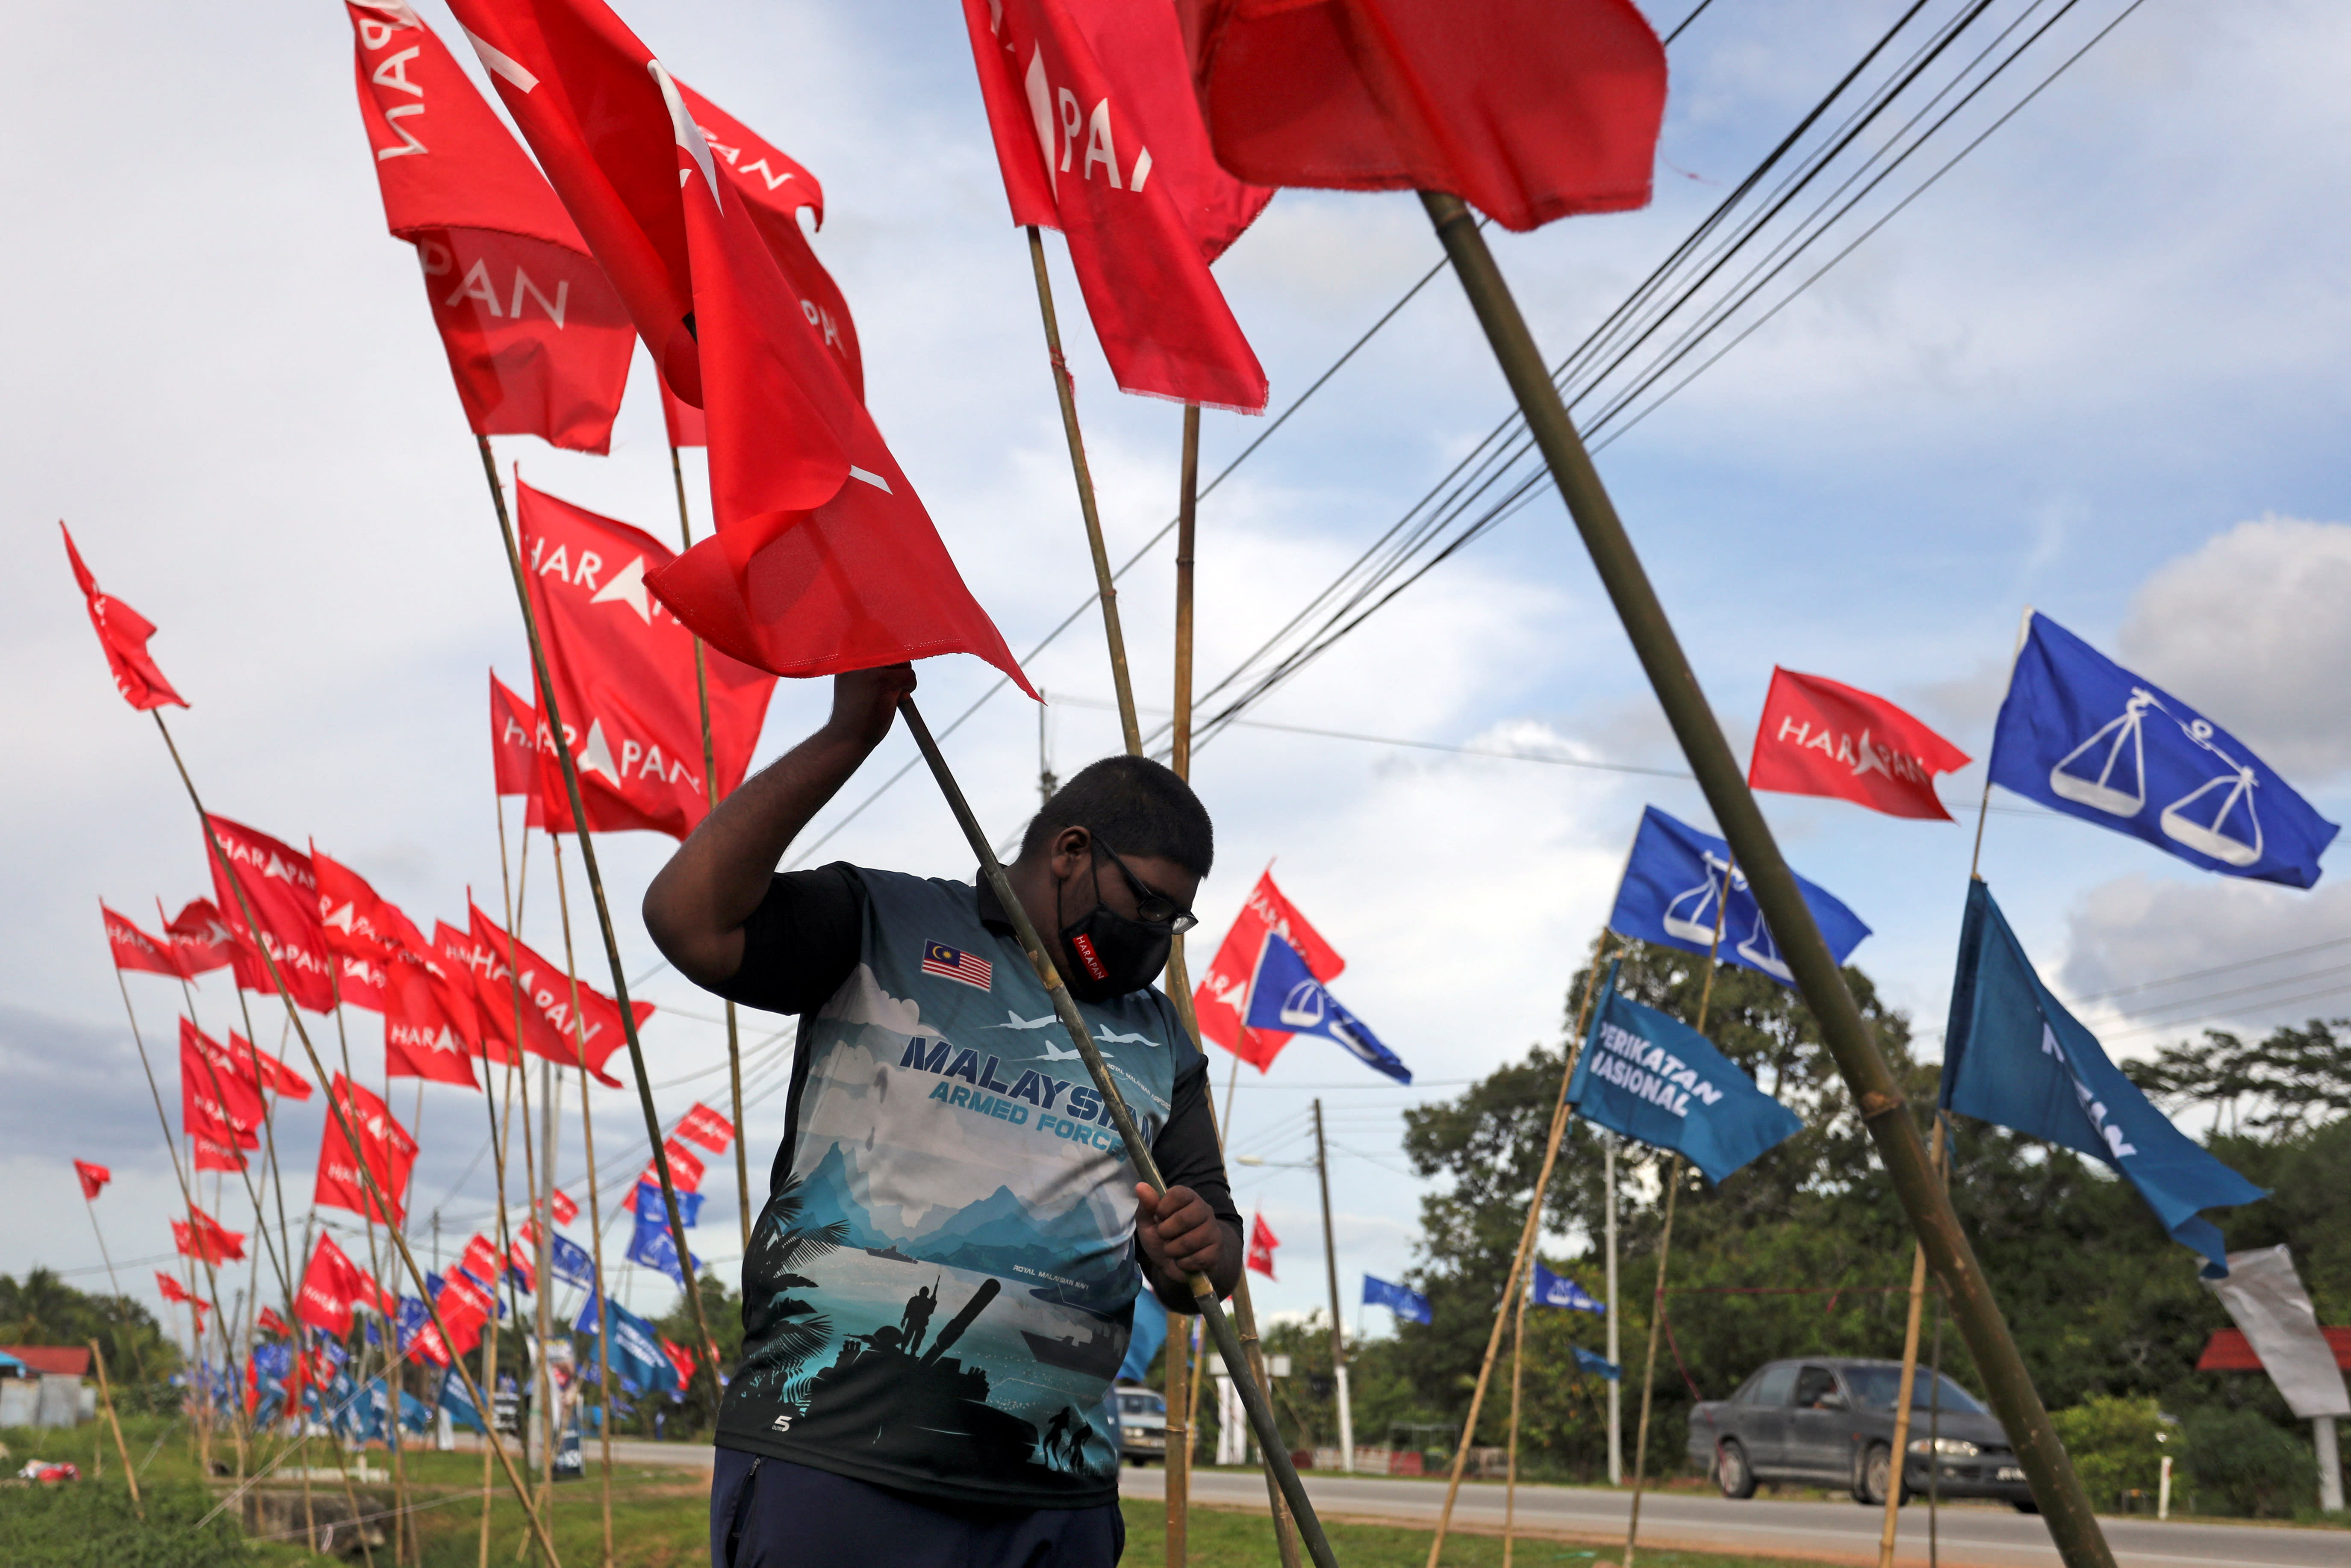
{"type": "Point", "coordinates": [2096, 370]}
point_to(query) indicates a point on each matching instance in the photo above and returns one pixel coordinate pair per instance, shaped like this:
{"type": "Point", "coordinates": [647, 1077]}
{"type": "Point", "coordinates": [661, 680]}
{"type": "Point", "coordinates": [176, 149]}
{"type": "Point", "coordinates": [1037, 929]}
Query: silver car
{"type": "Point", "coordinates": [1141, 1423]}
{"type": "Point", "coordinates": [1827, 1421]}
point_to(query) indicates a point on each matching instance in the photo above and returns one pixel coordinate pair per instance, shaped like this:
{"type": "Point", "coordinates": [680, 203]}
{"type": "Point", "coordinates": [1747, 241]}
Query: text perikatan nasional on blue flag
{"type": "Point", "coordinates": [1656, 1079]}
{"type": "Point", "coordinates": [2012, 1055]}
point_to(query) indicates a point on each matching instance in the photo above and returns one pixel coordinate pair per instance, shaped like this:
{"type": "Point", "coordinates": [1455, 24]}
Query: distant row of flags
{"type": "Point", "coordinates": [2077, 732]}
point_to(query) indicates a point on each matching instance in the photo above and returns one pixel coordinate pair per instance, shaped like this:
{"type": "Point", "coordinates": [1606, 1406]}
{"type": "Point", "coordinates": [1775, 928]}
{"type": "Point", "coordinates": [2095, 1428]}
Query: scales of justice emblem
{"type": "Point", "coordinates": [2119, 785]}
{"type": "Point", "coordinates": [1690, 914]}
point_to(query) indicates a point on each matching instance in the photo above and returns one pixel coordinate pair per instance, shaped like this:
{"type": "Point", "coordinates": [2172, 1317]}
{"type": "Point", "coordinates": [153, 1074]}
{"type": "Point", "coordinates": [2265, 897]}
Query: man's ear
{"type": "Point", "coordinates": [1068, 850]}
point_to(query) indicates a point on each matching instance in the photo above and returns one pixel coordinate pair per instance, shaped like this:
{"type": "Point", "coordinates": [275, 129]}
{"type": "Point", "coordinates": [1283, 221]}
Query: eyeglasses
{"type": "Point", "coordinates": [1152, 908]}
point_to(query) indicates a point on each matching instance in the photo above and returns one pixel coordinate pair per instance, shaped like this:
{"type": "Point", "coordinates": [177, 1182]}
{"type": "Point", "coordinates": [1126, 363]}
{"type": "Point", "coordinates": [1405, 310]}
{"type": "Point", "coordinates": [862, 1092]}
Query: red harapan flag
{"type": "Point", "coordinates": [685, 1173]}
{"type": "Point", "coordinates": [471, 965]}
{"type": "Point", "coordinates": [824, 560]}
{"type": "Point", "coordinates": [123, 631]}
{"type": "Point", "coordinates": [92, 1177]}
{"type": "Point", "coordinates": [431, 1026]}
{"type": "Point", "coordinates": [1820, 736]}
{"type": "Point", "coordinates": [283, 891]}
{"type": "Point", "coordinates": [622, 668]}
{"type": "Point", "coordinates": [1262, 1243]}
{"type": "Point", "coordinates": [566, 1211]}
{"type": "Point", "coordinates": [200, 939]}
{"type": "Point", "coordinates": [706, 1126]}
{"type": "Point", "coordinates": [136, 951]}
{"type": "Point", "coordinates": [201, 1236]}
{"type": "Point", "coordinates": [1098, 135]}
{"type": "Point", "coordinates": [1221, 1002]}
{"type": "Point", "coordinates": [547, 1029]}
{"type": "Point", "coordinates": [538, 341]}
{"type": "Point", "coordinates": [513, 749]}
{"type": "Point", "coordinates": [221, 1106]}
{"type": "Point", "coordinates": [387, 1147]}
{"type": "Point", "coordinates": [330, 1286]}
{"type": "Point", "coordinates": [270, 1322]}
{"type": "Point", "coordinates": [1527, 110]}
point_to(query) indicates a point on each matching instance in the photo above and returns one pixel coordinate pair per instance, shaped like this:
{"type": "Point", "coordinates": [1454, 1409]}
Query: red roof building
{"type": "Point", "coordinates": [51, 1360]}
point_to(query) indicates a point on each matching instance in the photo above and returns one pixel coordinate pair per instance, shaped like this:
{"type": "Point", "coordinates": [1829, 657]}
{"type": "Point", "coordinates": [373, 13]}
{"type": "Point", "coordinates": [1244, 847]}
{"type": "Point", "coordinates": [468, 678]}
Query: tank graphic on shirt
{"type": "Point", "coordinates": [940, 1293]}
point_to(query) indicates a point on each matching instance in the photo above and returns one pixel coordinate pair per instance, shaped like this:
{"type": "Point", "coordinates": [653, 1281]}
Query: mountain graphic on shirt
{"type": "Point", "coordinates": [999, 1235]}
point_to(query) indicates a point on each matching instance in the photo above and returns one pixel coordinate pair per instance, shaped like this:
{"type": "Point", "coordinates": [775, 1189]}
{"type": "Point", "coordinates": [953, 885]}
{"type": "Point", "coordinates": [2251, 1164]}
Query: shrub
{"type": "Point", "coordinates": [2242, 1461]}
{"type": "Point", "coordinates": [2117, 1444]}
{"type": "Point", "coordinates": [89, 1524]}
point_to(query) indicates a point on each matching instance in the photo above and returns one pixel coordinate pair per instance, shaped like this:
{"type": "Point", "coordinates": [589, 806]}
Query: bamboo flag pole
{"type": "Point", "coordinates": [341, 1118]}
{"type": "Point", "coordinates": [393, 1371]}
{"type": "Point", "coordinates": [106, 1394]}
{"type": "Point", "coordinates": [1511, 1483]}
{"type": "Point", "coordinates": [1666, 1240]}
{"type": "Point", "coordinates": [1179, 981]}
{"type": "Point", "coordinates": [710, 778]}
{"type": "Point", "coordinates": [1203, 1293]}
{"type": "Point", "coordinates": [595, 1205]}
{"type": "Point", "coordinates": [1896, 1455]}
{"type": "Point", "coordinates": [1876, 1093]}
{"type": "Point", "coordinates": [548, 710]}
{"type": "Point", "coordinates": [1527, 1234]}
{"type": "Point", "coordinates": [511, 890]}
{"type": "Point", "coordinates": [1177, 1458]}
{"type": "Point", "coordinates": [1105, 589]}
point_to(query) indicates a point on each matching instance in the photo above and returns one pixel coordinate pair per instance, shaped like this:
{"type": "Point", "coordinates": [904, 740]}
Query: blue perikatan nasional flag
{"type": "Point", "coordinates": [1285, 996]}
{"type": "Point", "coordinates": [1404, 1303]}
{"type": "Point", "coordinates": [453, 1399]}
{"type": "Point", "coordinates": [652, 1245]}
{"type": "Point", "coordinates": [1558, 1290]}
{"type": "Point", "coordinates": [2014, 1056]}
{"type": "Point", "coordinates": [571, 1261]}
{"type": "Point", "coordinates": [638, 1359]}
{"type": "Point", "coordinates": [1593, 1362]}
{"type": "Point", "coordinates": [1678, 881]}
{"type": "Point", "coordinates": [2084, 736]}
{"type": "Point", "coordinates": [1656, 1079]}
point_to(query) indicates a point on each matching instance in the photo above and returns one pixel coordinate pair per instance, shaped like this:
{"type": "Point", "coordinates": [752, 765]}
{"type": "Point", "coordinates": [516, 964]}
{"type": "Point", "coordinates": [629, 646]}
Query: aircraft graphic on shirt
{"type": "Point", "coordinates": [1055, 1053]}
{"type": "Point", "coordinates": [1014, 1021]}
{"type": "Point", "coordinates": [1108, 1037]}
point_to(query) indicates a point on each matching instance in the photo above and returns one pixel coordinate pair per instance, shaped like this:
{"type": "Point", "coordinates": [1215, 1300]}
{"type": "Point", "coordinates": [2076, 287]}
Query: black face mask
{"type": "Point", "coordinates": [1115, 955]}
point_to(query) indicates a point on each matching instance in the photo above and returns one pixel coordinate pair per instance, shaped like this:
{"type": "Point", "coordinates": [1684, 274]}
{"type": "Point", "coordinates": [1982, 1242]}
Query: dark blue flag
{"type": "Point", "coordinates": [571, 1261]}
{"type": "Point", "coordinates": [1558, 1290]}
{"type": "Point", "coordinates": [2084, 736]}
{"type": "Point", "coordinates": [461, 1409]}
{"type": "Point", "coordinates": [1591, 1361]}
{"type": "Point", "coordinates": [647, 1199]}
{"type": "Point", "coordinates": [1286, 996]}
{"type": "Point", "coordinates": [639, 1363]}
{"type": "Point", "coordinates": [2014, 1056]}
{"type": "Point", "coordinates": [652, 1245]}
{"type": "Point", "coordinates": [1676, 883]}
{"type": "Point", "coordinates": [1404, 1303]}
{"type": "Point", "coordinates": [1656, 1079]}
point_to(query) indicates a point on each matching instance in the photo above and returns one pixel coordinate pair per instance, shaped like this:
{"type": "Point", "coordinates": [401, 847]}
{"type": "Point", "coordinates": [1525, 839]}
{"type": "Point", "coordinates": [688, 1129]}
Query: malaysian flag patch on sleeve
{"type": "Point", "coordinates": [955, 964]}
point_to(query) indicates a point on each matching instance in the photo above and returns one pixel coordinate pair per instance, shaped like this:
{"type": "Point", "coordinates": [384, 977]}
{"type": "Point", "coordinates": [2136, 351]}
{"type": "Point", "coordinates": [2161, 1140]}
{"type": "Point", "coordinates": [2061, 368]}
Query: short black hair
{"type": "Point", "coordinates": [1135, 805]}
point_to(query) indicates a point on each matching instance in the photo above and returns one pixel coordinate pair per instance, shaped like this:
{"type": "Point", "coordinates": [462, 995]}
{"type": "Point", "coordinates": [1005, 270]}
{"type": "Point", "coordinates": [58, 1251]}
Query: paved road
{"type": "Point", "coordinates": [1974, 1536]}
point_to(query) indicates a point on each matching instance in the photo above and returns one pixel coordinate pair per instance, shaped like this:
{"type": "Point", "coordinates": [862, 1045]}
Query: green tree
{"type": "Point", "coordinates": [42, 1309]}
{"type": "Point", "coordinates": [2118, 1444]}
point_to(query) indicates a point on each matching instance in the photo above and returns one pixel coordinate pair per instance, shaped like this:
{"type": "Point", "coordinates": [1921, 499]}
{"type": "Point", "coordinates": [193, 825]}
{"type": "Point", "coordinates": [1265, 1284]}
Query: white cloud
{"type": "Point", "coordinates": [2254, 628]}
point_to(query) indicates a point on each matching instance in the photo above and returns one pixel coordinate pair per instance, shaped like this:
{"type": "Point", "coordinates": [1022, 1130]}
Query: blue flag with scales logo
{"type": "Point", "coordinates": [1558, 1290]}
{"type": "Point", "coordinates": [2083, 736]}
{"type": "Point", "coordinates": [1285, 996]}
{"type": "Point", "coordinates": [2014, 1056]}
{"type": "Point", "coordinates": [1677, 883]}
{"type": "Point", "coordinates": [1403, 1302]}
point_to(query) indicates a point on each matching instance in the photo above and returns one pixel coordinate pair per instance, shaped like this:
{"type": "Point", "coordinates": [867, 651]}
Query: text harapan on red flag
{"type": "Point", "coordinates": [623, 671]}
{"type": "Point", "coordinates": [824, 560]}
{"type": "Point", "coordinates": [1097, 134]}
{"type": "Point", "coordinates": [136, 951]}
{"type": "Point", "coordinates": [1820, 736]}
{"type": "Point", "coordinates": [548, 1027]}
{"type": "Point", "coordinates": [386, 1147]}
{"type": "Point", "coordinates": [200, 939]}
{"type": "Point", "coordinates": [537, 339]}
{"type": "Point", "coordinates": [282, 890]}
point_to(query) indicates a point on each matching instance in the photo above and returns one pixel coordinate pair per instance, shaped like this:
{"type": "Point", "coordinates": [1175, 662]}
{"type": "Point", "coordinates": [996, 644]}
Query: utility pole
{"type": "Point", "coordinates": [1338, 1340]}
{"type": "Point", "coordinates": [1615, 1355]}
{"type": "Point", "coordinates": [1046, 782]}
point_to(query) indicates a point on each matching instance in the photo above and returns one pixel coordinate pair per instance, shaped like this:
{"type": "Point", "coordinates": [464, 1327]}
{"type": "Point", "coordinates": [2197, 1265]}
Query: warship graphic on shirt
{"type": "Point", "coordinates": [939, 1290]}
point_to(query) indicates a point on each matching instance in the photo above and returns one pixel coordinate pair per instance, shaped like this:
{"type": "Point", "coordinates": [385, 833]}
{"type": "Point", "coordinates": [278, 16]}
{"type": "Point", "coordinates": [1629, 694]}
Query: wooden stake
{"type": "Point", "coordinates": [1510, 1482]}
{"type": "Point", "coordinates": [595, 1204]}
{"type": "Point", "coordinates": [1898, 1457]}
{"type": "Point", "coordinates": [105, 1394]}
{"type": "Point", "coordinates": [1527, 1234]}
{"type": "Point", "coordinates": [549, 710]}
{"type": "Point", "coordinates": [1245, 1378]}
{"type": "Point", "coordinates": [1181, 1380]}
{"type": "Point", "coordinates": [734, 1033]}
{"type": "Point", "coordinates": [341, 1120]}
{"type": "Point", "coordinates": [1876, 1093]}
{"type": "Point", "coordinates": [1066, 390]}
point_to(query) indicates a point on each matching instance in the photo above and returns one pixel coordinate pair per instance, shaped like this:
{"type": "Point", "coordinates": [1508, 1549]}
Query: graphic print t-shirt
{"type": "Point", "coordinates": [940, 1289]}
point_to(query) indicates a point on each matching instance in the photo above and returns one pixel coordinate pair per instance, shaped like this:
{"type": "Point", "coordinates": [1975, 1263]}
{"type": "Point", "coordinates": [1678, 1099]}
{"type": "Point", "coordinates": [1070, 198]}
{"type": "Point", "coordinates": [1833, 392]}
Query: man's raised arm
{"type": "Point", "coordinates": [696, 907]}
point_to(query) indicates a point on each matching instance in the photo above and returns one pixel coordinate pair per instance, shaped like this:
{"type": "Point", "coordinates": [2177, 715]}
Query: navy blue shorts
{"type": "Point", "coordinates": [770, 1513]}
